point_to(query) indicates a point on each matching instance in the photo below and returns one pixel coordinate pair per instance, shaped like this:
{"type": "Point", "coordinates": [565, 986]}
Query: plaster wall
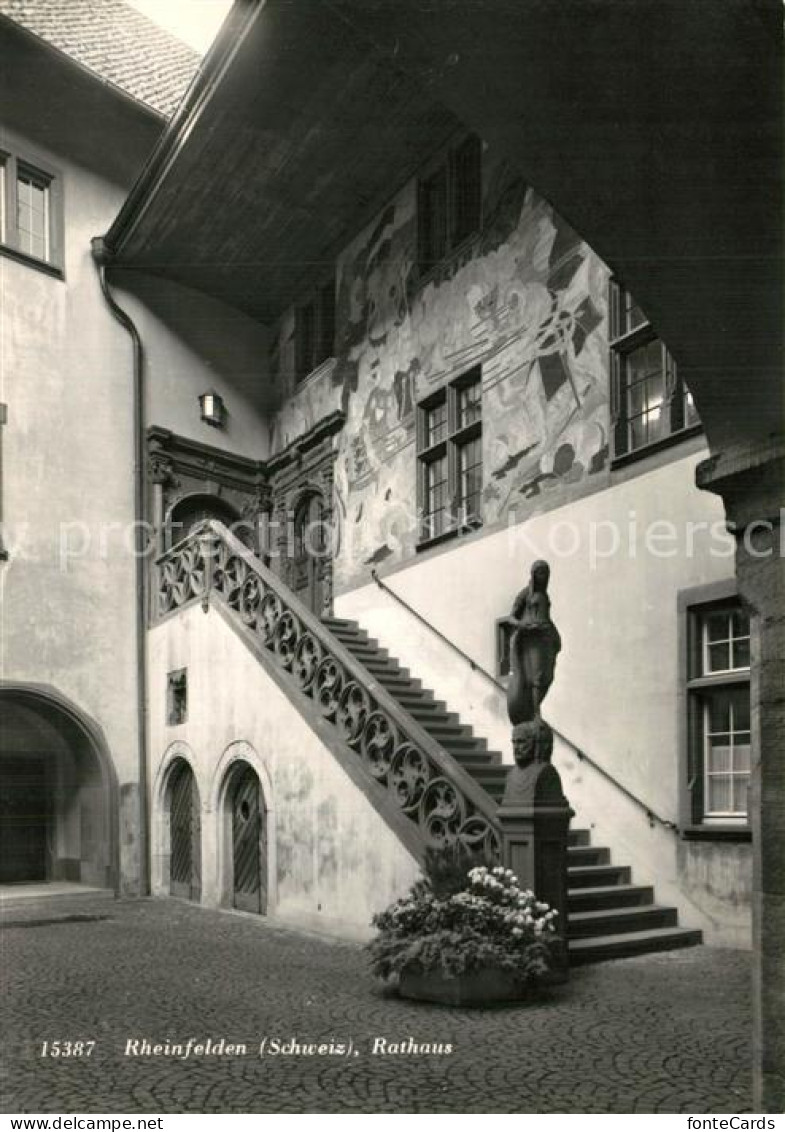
{"type": "Point", "coordinates": [616, 690]}
{"type": "Point", "coordinates": [333, 861]}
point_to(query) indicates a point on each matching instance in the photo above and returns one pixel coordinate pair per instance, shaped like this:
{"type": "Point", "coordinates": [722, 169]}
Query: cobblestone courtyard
{"type": "Point", "coordinates": [668, 1033]}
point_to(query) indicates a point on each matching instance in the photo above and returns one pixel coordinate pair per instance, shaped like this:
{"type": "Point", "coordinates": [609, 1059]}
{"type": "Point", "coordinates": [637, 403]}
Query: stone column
{"type": "Point", "coordinates": [752, 485]}
{"type": "Point", "coordinates": [535, 818]}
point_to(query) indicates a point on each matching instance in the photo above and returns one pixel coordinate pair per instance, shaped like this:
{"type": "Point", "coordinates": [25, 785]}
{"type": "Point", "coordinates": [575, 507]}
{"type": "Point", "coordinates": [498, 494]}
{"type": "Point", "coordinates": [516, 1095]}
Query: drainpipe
{"type": "Point", "coordinates": [102, 258]}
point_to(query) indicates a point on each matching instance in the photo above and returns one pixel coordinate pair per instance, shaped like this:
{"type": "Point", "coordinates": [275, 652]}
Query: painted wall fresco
{"type": "Point", "coordinates": [526, 300]}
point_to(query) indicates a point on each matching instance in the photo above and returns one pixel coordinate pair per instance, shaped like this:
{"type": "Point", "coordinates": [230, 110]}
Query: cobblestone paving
{"type": "Point", "coordinates": [667, 1033]}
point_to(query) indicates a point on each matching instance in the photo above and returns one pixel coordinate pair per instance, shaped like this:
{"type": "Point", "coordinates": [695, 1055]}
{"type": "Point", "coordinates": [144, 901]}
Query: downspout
{"type": "Point", "coordinates": [102, 257]}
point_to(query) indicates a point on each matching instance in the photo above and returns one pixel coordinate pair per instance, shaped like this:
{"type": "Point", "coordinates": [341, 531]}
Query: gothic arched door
{"type": "Point", "coordinates": [191, 511]}
{"type": "Point", "coordinates": [308, 561]}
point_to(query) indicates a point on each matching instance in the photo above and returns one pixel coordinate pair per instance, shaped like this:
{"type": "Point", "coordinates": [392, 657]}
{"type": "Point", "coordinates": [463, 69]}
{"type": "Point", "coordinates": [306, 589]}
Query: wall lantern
{"type": "Point", "coordinates": [212, 409]}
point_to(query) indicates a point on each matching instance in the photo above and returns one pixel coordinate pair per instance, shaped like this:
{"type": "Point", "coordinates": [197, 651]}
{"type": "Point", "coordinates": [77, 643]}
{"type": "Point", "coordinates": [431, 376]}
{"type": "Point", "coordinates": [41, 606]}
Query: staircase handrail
{"type": "Point", "coordinates": [651, 814]}
{"type": "Point", "coordinates": [426, 782]}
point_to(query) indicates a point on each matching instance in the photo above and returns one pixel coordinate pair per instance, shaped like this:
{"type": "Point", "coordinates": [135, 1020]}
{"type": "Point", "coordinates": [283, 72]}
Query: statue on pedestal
{"type": "Point", "coordinates": [533, 649]}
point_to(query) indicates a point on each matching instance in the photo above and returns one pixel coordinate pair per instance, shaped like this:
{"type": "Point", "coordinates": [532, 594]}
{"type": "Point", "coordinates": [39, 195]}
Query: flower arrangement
{"type": "Point", "coordinates": [461, 918]}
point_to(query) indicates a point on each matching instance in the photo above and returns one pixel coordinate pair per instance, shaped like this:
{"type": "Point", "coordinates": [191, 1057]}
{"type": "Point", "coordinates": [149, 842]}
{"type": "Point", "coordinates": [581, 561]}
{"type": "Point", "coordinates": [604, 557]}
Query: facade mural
{"type": "Point", "coordinates": [525, 299]}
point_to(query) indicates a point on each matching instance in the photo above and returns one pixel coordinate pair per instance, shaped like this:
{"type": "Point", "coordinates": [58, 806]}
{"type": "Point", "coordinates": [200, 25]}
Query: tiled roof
{"type": "Point", "coordinates": [114, 41]}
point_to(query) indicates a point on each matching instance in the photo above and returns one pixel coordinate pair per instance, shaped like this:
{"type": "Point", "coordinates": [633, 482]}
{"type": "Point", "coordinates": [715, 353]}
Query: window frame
{"type": "Point", "coordinates": [20, 159]}
{"type": "Point", "coordinates": [697, 686]}
{"type": "Point", "coordinates": [449, 446]}
{"type": "Point", "coordinates": [460, 166]}
{"type": "Point", "coordinates": [623, 342]}
{"type": "Point", "coordinates": [322, 300]}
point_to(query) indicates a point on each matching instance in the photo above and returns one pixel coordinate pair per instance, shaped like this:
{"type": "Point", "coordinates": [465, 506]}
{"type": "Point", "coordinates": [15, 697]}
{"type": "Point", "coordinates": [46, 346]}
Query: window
{"type": "Point", "coordinates": [31, 223]}
{"type": "Point", "coordinates": [718, 689]}
{"type": "Point", "coordinates": [314, 330]}
{"type": "Point", "coordinates": [449, 203]}
{"type": "Point", "coordinates": [449, 458]}
{"type": "Point", "coordinates": [649, 401]}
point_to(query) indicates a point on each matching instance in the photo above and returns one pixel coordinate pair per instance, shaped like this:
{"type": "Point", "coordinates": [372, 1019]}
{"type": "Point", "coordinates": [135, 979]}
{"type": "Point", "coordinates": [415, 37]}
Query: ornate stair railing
{"type": "Point", "coordinates": [425, 782]}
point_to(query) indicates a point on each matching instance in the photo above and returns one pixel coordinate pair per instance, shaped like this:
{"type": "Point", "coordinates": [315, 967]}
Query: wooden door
{"type": "Point", "coordinates": [249, 885]}
{"type": "Point", "coordinates": [308, 562]}
{"type": "Point", "coordinates": [25, 820]}
{"type": "Point", "coordinates": [185, 835]}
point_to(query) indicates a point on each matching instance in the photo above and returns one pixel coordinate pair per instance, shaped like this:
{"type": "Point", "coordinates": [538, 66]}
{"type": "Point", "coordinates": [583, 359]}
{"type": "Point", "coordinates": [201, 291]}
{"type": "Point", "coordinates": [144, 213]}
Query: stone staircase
{"type": "Point", "coordinates": [610, 917]}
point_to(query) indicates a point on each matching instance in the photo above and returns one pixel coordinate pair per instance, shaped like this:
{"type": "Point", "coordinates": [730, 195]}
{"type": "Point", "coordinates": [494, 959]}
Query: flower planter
{"type": "Point", "coordinates": [473, 988]}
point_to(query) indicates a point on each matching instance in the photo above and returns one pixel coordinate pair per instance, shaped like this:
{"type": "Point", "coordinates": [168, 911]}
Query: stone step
{"type": "Point", "coordinates": [588, 855]}
{"type": "Point", "coordinates": [609, 896]}
{"type": "Point", "coordinates": [420, 701]}
{"type": "Point", "coordinates": [486, 772]}
{"type": "Point", "coordinates": [334, 623]}
{"type": "Point", "coordinates": [458, 745]}
{"type": "Point", "coordinates": [618, 921]}
{"type": "Point", "coordinates": [431, 715]}
{"type": "Point", "coordinates": [579, 837]}
{"type": "Point", "coordinates": [40, 900]}
{"type": "Point", "coordinates": [456, 740]}
{"type": "Point", "coordinates": [591, 876]}
{"type": "Point", "coordinates": [598, 948]}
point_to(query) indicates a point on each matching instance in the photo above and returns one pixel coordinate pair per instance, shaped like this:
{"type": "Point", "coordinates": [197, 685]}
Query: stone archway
{"type": "Point", "coordinates": [59, 798]}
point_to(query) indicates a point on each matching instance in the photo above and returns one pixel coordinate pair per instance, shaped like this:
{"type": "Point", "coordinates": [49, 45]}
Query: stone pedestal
{"type": "Point", "coordinates": [535, 819]}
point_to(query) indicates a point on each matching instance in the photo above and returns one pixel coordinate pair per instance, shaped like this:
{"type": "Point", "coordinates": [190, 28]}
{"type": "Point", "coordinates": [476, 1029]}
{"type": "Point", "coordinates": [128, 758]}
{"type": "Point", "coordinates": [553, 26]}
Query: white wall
{"type": "Point", "coordinates": [334, 861]}
{"type": "Point", "coordinates": [194, 343]}
{"type": "Point", "coordinates": [615, 692]}
{"type": "Point", "coordinates": [67, 589]}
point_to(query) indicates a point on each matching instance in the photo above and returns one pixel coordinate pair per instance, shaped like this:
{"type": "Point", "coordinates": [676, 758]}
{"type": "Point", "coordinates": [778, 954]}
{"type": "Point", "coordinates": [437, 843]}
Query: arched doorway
{"type": "Point", "coordinates": [245, 840]}
{"type": "Point", "coordinates": [57, 793]}
{"type": "Point", "coordinates": [185, 840]}
{"type": "Point", "coordinates": [308, 559]}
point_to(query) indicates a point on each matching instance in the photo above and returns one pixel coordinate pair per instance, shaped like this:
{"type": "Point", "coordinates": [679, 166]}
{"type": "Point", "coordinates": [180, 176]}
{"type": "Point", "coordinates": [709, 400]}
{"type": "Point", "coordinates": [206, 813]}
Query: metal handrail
{"type": "Point", "coordinates": [651, 814]}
